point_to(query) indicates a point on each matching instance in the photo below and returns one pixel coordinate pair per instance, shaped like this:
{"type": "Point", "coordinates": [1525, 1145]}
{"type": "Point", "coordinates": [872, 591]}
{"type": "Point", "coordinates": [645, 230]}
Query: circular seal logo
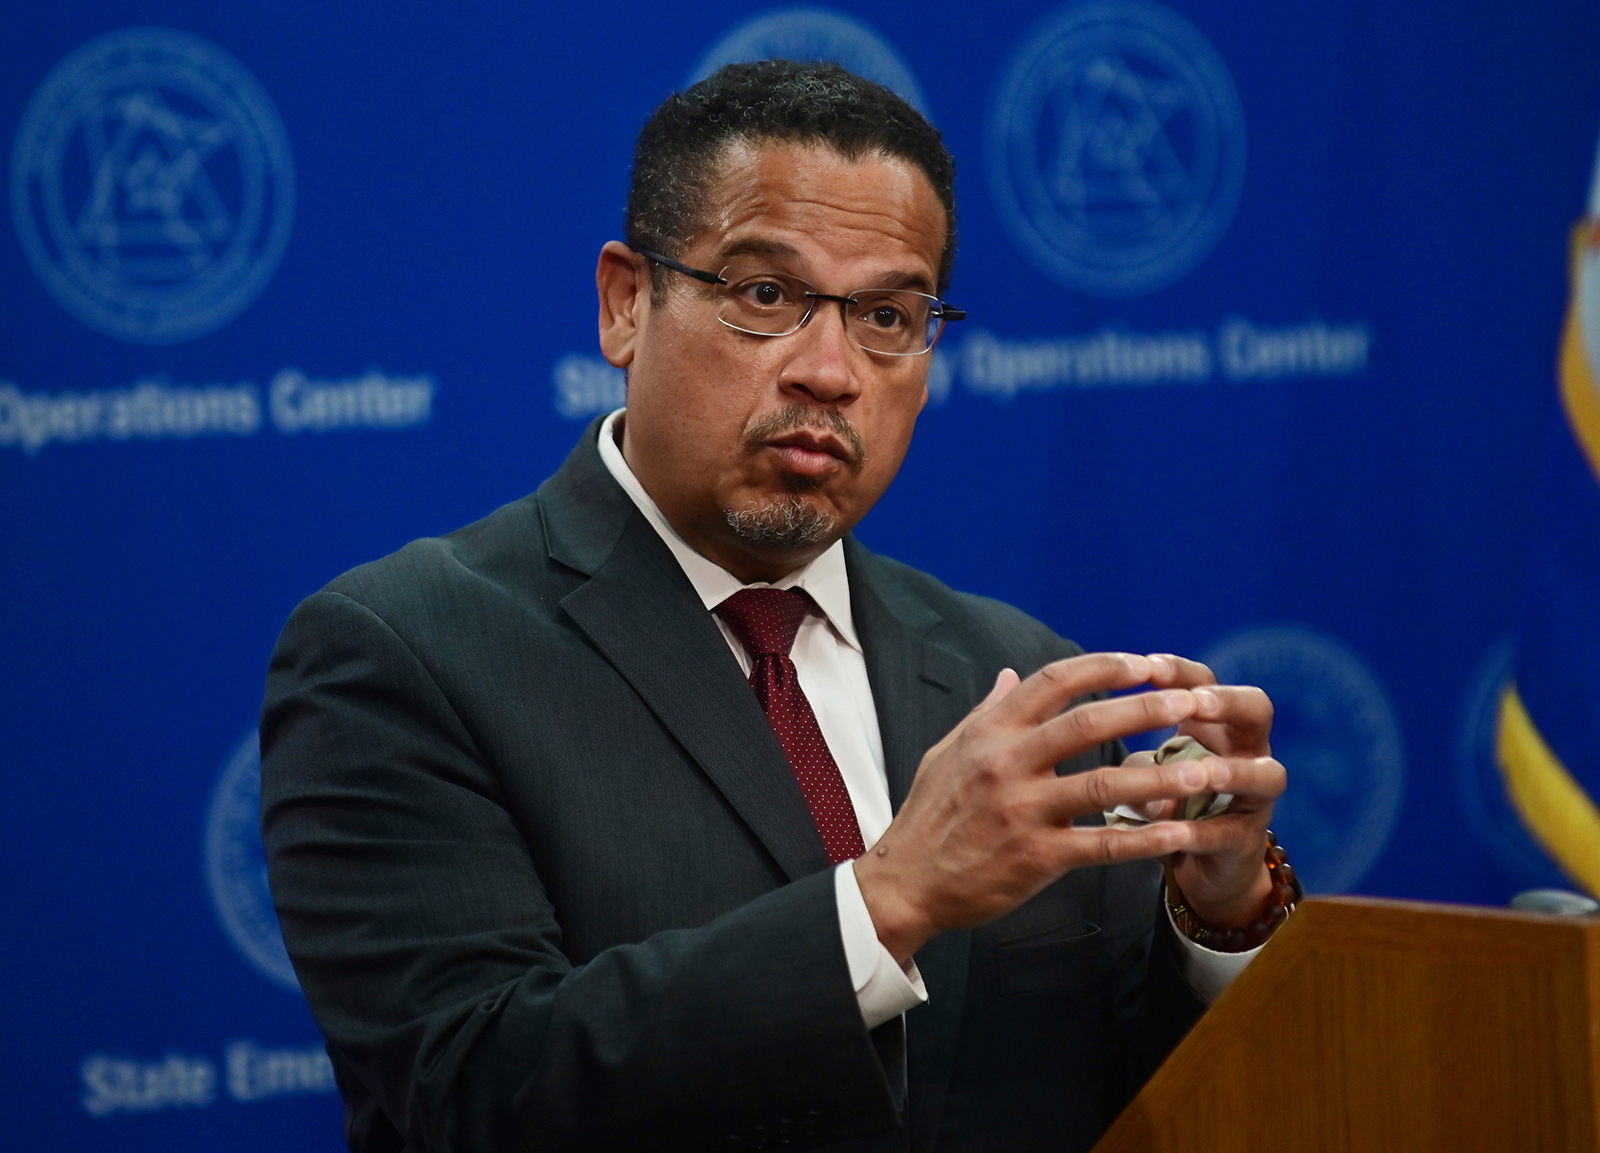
{"type": "Point", "coordinates": [1336, 732]}
{"type": "Point", "coordinates": [236, 866]}
{"type": "Point", "coordinates": [1480, 786]}
{"type": "Point", "coordinates": [152, 185]}
{"type": "Point", "coordinates": [815, 34]}
{"type": "Point", "coordinates": [1115, 147]}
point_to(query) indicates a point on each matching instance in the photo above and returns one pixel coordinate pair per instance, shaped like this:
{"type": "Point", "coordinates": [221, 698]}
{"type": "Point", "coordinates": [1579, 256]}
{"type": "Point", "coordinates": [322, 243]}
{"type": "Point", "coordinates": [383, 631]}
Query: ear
{"type": "Point", "coordinates": [623, 280]}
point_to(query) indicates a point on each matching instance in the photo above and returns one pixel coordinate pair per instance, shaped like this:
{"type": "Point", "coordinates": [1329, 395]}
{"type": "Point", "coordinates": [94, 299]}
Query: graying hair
{"type": "Point", "coordinates": [785, 522]}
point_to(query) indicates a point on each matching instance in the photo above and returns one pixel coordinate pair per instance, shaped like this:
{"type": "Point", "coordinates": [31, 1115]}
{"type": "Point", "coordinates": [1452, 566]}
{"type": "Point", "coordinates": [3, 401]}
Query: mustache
{"type": "Point", "coordinates": [806, 418]}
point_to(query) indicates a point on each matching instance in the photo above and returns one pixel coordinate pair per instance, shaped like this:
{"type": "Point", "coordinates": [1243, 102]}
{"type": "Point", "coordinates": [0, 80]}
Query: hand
{"type": "Point", "coordinates": [1221, 870]}
{"type": "Point", "coordinates": [988, 823]}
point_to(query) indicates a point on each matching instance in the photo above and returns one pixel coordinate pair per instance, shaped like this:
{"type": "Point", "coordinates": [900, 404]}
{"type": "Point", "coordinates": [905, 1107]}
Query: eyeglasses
{"type": "Point", "coordinates": [752, 298]}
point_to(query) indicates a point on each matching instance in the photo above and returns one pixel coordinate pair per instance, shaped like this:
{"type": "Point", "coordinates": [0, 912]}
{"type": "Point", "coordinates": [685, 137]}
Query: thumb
{"type": "Point", "coordinates": [1003, 684]}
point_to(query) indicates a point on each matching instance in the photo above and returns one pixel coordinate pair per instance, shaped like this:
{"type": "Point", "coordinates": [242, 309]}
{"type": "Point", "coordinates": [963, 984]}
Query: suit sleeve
{"type": "Point", "coordinates": [431, 955]}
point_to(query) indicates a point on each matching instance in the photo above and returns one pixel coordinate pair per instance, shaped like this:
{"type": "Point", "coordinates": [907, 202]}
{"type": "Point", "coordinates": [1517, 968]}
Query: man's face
{"type": "Point", "coordinates": [761, 451]}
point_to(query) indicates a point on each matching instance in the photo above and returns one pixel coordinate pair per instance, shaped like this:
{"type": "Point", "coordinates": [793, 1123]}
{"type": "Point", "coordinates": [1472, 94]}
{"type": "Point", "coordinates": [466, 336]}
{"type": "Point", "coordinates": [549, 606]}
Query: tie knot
{"type": "Point", "coordinates": [765, 620]}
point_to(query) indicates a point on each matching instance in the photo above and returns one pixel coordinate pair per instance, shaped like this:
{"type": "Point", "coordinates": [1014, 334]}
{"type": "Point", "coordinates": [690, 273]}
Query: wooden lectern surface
{"type": "Point", "coordinates": [1370, 1025]}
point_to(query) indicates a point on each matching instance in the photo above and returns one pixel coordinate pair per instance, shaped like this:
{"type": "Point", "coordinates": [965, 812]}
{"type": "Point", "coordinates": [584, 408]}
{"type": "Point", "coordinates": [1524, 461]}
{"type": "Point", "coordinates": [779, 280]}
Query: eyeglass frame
{"type": "Point", "coordinates": [943, 311]}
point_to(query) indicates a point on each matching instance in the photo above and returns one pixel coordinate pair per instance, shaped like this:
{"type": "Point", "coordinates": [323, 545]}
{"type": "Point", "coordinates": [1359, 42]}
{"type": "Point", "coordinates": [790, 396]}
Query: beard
{"type": "Point", "coordinates": [789, 521]}
{"type": "Point", "coordinates": [785, 522]}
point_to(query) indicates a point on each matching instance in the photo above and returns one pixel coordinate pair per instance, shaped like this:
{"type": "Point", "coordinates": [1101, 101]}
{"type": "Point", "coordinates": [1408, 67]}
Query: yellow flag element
{"type": "Point", "coordinates": [1552, 804]}
{"type": "Point", "coordinates": [1580, 394]}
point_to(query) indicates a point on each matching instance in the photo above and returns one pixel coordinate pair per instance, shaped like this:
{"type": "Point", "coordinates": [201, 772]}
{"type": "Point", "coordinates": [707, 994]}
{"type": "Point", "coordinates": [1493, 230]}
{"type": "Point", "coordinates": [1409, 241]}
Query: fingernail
{"type": "Point", "coordinates": [1161, 665]}
{"type": "Point", "coordinates": [1180, 701]}
{"type": "Point", "coordinates": [1137, 666]}
{"type": "Point", "coordinates": [1207, 700]}
{"type": "Point", "coordinates": [1220, 771]}
{"type": "Point", "coordinates": [1192, 774]}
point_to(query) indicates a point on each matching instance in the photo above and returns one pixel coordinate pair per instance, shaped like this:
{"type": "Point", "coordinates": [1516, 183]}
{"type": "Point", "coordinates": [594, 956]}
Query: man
{"type": "Point", "coordinates": [553, 876]}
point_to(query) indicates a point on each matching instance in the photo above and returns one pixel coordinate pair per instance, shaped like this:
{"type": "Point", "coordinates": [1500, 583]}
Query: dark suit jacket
{"type": "Point", "coordinates": [548, 881]}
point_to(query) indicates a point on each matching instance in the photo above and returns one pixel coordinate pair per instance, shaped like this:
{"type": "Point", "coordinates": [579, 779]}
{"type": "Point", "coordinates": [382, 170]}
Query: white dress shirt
{"type": "Point", "coordinates": [833, 675]}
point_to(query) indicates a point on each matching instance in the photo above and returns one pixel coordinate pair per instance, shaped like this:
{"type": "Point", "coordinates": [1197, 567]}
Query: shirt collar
{"type": "Point", "coordinates": [825, 580]}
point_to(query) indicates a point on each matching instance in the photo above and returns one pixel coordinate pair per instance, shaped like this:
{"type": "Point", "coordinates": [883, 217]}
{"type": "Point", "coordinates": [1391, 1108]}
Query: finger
{"type": "Point", "coordinates": [1253, 781]}
{"type": "Point", "coordinates": [1058, 684]}
{"type": "Point", "coordinates": [1226, 835]}
{"type": "Point", "coordinates": [1168, 670]}
{"type": "Point", "coordinates": [1095, 722]}
{"type": "Point", "coordinates": [1235, 718]}
{"type": "Point", "coordinates": [1064, 798]}
{"type": "Point", "coordinates": [1233, 705]}
{"type": "Point", "coordinates": [1003, 686]}
{"type": "Point", "coordinates": [1077, 847]}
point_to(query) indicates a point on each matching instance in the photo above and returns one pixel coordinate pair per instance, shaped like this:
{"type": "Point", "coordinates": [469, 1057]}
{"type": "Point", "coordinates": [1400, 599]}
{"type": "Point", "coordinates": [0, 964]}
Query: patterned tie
{"type": "Point", "coordinates": [766, 621]}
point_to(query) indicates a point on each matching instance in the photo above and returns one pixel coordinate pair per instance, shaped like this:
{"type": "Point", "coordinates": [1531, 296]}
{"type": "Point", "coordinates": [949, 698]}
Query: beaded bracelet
{"type": "Point", "coordinates": [1287, 892]}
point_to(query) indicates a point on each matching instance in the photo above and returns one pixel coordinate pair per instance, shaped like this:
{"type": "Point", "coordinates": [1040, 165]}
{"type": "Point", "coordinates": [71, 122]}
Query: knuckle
{"type": "Point", "coordinates": [1080, 723]}
{"type": "Point", "coordinates": [1056, 674]}
{"type": "Point", "coordinates": [1097, 788]}
{"type": "Point", "coordinates": [988, 767]}
{"type": "Point", "coordinates": [1108, 849]}
{"type": "Point", "coordinates": [1276, 774]}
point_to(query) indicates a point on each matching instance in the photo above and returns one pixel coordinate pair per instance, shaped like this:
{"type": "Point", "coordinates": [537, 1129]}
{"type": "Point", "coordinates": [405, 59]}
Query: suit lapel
{"type": "Point", "coordinates": [921, 691]}
{"type": "Point", "coordinates": [639, 609]}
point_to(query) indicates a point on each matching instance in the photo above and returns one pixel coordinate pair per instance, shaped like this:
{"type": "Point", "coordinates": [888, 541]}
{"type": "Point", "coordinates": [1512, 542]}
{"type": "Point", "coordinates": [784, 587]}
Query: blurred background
{"type": "Point", "coordinates": [1264, 301]}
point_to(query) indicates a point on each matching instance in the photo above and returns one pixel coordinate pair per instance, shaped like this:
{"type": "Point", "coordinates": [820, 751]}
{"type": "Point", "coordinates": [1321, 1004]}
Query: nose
{"type": "Point", "coordinates": [824, 362]}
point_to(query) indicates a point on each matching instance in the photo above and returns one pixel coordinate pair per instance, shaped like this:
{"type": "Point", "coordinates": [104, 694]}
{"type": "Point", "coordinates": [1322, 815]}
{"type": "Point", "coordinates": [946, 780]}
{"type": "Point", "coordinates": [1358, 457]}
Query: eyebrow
{"type": "Point", "coordinates": [760, 246]}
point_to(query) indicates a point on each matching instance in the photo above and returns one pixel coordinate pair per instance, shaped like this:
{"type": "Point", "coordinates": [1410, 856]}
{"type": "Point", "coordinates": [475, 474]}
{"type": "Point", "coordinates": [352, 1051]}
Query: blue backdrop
{"type": "Point", "coordinates": [1265, 303]}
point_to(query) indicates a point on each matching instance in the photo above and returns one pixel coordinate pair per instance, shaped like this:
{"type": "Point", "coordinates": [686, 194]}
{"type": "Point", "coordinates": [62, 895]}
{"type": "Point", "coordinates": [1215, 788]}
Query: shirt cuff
{"type": "Point", "coordinates": [1207, 971]}
{"type": "Point", "coordinates": [883, 989]}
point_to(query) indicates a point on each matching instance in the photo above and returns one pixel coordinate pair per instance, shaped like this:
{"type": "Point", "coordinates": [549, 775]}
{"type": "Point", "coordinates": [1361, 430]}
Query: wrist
{"type": "Point", "coordinates": [1284, 893]}
{"type": "Point", "coordinates": [1238, 910]}
{"type": "Point", "coordinates": [901, 925]}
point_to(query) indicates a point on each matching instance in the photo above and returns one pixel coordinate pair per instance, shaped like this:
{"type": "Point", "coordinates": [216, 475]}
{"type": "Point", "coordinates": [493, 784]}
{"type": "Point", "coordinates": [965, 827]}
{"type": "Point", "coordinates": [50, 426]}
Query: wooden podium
{"type": "Point", "coordinates": [1368, 1026]}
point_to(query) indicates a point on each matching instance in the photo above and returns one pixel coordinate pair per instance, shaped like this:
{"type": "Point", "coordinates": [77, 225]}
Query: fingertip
{"type": "Point", "coordinates": [1003, 684]}
{"type": "Point", "coordinates": [1138, 667]}
{"type": "Point", "coordinates": [1161, 665]}
{"type": "Point", "coordinates": [1180, 701]}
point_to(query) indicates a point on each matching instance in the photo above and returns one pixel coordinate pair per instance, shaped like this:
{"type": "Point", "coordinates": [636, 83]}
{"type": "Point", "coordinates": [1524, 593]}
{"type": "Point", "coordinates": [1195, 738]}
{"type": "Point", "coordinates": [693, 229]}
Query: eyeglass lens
{"type": "Point", "coordinates": [899, 322]}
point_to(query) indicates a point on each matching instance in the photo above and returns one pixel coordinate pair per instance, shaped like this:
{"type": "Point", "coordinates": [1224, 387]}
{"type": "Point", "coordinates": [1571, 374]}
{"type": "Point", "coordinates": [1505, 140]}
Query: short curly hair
{"type": "Point", "coordinates": [676, 158]}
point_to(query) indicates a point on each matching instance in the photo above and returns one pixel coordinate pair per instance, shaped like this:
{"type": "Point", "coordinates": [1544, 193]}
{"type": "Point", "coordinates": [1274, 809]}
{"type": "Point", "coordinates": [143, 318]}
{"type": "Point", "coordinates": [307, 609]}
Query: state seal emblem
{"type": "Point", "coordinates": [236, 866]}
{"type": "Point", "coordinates": [1115, 147]}
{"type": "Point", "coordinates": [152, 185]}
{"type": "Point", "coordinates": [1337, 733]}
{"type": "Point", "coordinates": [815, 34]}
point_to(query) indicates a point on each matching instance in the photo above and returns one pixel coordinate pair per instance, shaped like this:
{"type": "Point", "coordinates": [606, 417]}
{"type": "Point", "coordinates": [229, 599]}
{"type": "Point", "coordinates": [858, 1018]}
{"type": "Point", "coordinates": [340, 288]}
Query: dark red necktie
{"type": "Point", "coordinates": [766, 621]}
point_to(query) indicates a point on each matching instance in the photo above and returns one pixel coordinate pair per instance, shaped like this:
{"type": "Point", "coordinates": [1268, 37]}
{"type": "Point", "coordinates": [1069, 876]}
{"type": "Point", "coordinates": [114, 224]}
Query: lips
{"type": "Point", "coordinates": [810, 452]}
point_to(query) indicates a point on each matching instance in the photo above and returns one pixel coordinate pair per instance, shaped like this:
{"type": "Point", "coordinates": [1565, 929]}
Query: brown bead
{"type": "Point", "coordinates": [1233, 941]}
{"type": "Point", "coordinates": [1276, 915]}
{"type": "Point", "coordinates": [1276, 856]}
{"type": "Point", "coordinates": [1284, 874]}
{"type": "Point", "coordinates": [1271, 840]}
{"type": "Point", "coordinates": [1257, 934]}
{"type": "Point", "coordinates": [1283, 894]}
